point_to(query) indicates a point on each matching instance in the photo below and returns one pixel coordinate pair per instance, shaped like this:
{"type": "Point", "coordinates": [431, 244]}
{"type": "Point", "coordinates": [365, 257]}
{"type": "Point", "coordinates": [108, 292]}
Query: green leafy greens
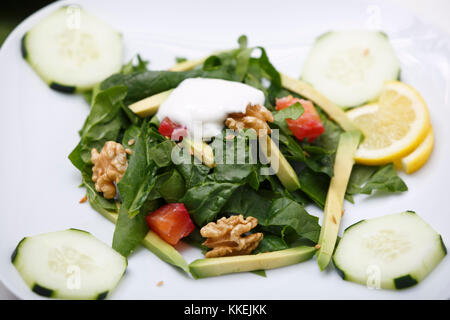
{"type": "Point", "coordinates": [152, 179]}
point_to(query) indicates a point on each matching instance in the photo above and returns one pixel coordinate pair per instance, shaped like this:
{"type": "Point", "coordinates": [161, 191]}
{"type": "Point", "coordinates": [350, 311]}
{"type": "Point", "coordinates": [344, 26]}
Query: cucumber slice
{"type": "Point", "coordinates": [72, 50]}
{"type": "Point", "coordinates": [69, 264]}
{"type": "Point", "coordinates": [350, 67]}
{"type": "Point", "coordinates": [395, 251]}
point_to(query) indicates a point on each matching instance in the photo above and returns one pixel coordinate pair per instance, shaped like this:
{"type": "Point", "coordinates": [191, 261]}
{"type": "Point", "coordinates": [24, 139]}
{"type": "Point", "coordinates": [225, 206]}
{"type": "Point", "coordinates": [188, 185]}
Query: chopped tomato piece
{"type": "Point", "coordinates": [173, 130]}
{"type": "Point", "coordinates": [308, 126]}
{"type": "Point", "coordinates": [171, 222]}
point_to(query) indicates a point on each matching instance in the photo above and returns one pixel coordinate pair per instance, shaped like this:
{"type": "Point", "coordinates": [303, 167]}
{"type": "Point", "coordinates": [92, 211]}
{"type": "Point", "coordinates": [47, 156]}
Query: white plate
{"type": "Point", "coordinates": [39, 127]}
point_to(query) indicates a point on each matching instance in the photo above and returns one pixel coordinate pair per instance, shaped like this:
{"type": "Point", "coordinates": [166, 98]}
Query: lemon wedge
{"type": "Point", "coordinates": [393, 126]}
{"type": "Point", "coordinates": [416, 159]}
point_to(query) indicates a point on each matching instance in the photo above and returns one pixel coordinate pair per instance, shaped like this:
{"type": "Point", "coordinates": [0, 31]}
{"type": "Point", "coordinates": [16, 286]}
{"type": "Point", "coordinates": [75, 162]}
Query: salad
{"type": "Point", "coordinates": [227, 154]}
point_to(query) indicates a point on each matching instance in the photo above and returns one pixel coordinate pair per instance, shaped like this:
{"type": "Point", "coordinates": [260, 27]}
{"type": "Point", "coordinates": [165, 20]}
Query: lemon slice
{"type": "Point", "coordinates": [393, 126]}
{"type": "Point", "coordinates": [416, 159]}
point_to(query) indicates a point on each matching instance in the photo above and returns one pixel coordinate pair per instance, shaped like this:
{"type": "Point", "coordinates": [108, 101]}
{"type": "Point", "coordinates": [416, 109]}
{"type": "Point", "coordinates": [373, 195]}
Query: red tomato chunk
{"type": "Point", "coordinates": [308, 126]}
{"type": "Point", "coordinates": [171, 222]}
{"type": "Point", "coordinates": [173, 130]}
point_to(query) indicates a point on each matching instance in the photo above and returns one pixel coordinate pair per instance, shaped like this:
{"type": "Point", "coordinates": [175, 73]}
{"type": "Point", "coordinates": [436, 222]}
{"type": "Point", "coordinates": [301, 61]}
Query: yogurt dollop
{"type": "Point", "coordinates": [205, 103]}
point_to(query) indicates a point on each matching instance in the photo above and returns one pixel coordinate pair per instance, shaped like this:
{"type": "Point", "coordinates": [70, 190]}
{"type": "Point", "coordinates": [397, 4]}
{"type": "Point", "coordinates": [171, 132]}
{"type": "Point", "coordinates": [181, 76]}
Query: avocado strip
{"type": "Point", "coordinates": [187, 65]}
{"type": "Point", "coordinates": [306, 90]}
{"type": "Point", "coordinates": [212, 267]}
{"type": "Point", "coordinates": [282, 167]}
{"type": "Point", "coordinates": [201, 151]}
{"type": "Point", "coordinates": [148, 106]}
{"type": "Point", "coordinates": [348, 143]}
{"type": "Point", "coordinates": [155, 244]}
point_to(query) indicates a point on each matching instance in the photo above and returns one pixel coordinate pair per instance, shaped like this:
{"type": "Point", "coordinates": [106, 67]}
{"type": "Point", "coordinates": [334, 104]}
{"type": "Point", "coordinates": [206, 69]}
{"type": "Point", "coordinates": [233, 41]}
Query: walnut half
{"type": "Point", "coordinates": [109, 166]}
{"type": "Point", "coordinates": [255, 117]}
{"type": "Point", "coordinates": [225, 236]}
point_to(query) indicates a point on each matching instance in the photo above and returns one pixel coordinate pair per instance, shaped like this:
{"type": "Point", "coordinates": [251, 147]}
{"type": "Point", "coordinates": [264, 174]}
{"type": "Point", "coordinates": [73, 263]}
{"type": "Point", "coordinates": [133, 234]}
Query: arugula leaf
{"type": "Point", "coordinates": [205, 201]}
{"type": "Point", "coordinates": [130, 67]}
{"type": "Point", "coordinates": [294, 111]}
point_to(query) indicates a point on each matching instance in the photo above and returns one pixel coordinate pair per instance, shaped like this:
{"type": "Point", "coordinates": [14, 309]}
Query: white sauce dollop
{"type": "Point", "coordinates": [205, 103]}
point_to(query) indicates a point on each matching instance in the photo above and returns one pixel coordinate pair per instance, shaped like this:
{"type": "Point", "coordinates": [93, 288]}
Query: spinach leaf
{"type": "Point", "coordinates": [272, 212]}
{"type": "Point", "coordinates": [270, 243]}
{"type": "Point", "coordinates": [385, 179]}
{"type": "Point", "coordinates": [248, 202]}
{"type": "Point", "coordinates": [130, 232]}
{"type": "Point", "coordinates": [193, 174]}
{"type": "Point", "coordinates": [329, 139]}
{"type": "Point", "coordinates": [139, 178]}
{"type": "Point", "coordinates": [365, 180]}
{"type": "Point", "coordinates": [315, 158]}
{"type": "Point", "coordinates": [161, 153]}
{"type": "Point", "coordinates": [205, 201]}
{"type": "Point", "coordinates": [131, 133]}
{"type": "Point", "coordinates": [96, 200]}
{"type": "Point", "coordinates": [170, 186]}
{"type": "Point", "coordinates": [236, 159]}
{"type": "Point", "coordinates": [315, 185]}
{"type": "Point", "coordinates": [147, 83]}
{"type": "Point", "coordinates": [290, 214]}
{"type": "Point", "coordinates": [103, 124]}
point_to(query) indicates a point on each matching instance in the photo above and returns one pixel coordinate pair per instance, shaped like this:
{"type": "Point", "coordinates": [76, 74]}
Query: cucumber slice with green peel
{"type": "Point", "coordinates": [72, 50]}
{"type": "Point", "coordinates": [395, 251]}
{"type": "Point", "coordinates": [69, 264]}
{"type": "Point", "coordinates": [350, 67]}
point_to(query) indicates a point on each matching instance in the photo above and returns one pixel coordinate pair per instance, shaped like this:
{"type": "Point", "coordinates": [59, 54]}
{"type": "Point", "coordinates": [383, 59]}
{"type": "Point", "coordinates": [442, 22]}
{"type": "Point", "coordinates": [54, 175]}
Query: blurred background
{"type": "Point", "coordinates": [13, 12]}
{"type": "Point", "coordinates": [434, 11]}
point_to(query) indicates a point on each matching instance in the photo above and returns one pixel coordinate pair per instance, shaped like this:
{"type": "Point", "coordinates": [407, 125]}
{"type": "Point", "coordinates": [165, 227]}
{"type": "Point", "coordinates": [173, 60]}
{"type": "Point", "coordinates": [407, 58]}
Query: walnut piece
{"type": "Point", "coordinates": [225, 236]}
{"type": "Point", "coordinates": [109, 166]}
{"type": "Point", "coordinates": [255, 117]}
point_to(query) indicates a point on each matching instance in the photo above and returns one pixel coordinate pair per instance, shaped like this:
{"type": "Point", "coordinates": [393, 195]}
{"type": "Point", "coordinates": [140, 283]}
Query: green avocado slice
{"type": "Point", "coordinates": [348, 143]}
{"type": "Point", "coordinates": [150, 105]}
{"type": "Point", "coordinates": [284, 172]}
{"type": "Point", "coordinates": [211, 267]}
